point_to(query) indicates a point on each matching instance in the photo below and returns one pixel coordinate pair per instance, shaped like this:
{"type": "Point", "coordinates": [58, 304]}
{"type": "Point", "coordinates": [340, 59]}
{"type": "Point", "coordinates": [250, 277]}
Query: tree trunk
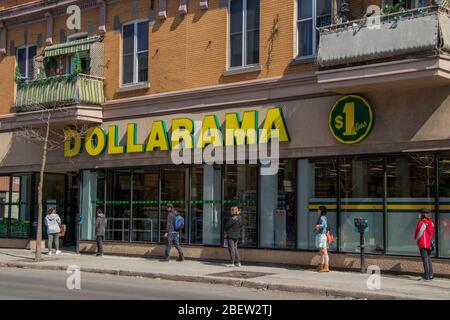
{"type": "Point", "coordinates": [40, 191]}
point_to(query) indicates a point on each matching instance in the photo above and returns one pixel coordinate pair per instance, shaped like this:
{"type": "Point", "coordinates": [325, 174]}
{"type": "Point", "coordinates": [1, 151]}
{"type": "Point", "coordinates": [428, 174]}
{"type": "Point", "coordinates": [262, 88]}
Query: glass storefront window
{"type": "Point", "coordinates": [444, 205]}
{"type": "Point", "coordinates": [277, 220]}
{"type": "Point", "coordinates": [410, 186]}
{"type": "Point", "coordinates": [316, 186]}
{"type": "Point", "coordinates": [21, 206]}
{"type": "Point", "coordinates": [145, 205]}
{"type": "Point", "coordinates": [206, 208]}
{"type": "Point", "coordinates": [118, 205]}
{"type": "Point", "coordinates": [240, 190]}
{"type": "Point", "coordinates": [92, 198]}
{"type": "Point", "coordinates": [4, 205]}
{"type": "Point", "coordinates": [174, 186]}
{"type": "Point", "coordinates": [362, 194]}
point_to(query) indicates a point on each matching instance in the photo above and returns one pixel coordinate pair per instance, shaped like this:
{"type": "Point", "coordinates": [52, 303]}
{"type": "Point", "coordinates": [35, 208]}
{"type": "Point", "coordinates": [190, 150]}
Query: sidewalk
{"type": "Point", "coordinates": [342, 284]}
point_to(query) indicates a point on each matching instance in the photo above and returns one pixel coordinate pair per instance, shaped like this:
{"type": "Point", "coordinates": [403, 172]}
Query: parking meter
{"type": "Point", "coordinates": [362, 226]}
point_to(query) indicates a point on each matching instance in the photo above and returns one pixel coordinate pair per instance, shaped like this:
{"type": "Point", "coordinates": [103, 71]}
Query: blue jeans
{"type": "Point", "coordinates": [173, 239]}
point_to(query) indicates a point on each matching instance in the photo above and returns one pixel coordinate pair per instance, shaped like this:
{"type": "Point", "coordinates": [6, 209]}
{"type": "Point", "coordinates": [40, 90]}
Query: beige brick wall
{"type": "Point", "coordinates": [185, 52]}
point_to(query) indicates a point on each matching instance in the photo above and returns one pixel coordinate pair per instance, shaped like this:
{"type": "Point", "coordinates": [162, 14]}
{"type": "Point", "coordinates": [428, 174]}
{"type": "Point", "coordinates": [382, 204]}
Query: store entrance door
{"type": "Point", "coordinates": [71, 210]}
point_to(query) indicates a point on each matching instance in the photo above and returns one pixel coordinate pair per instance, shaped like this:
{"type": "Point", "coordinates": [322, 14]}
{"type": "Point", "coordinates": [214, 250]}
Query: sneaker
{"type": "Point", "coordinates": [58, 251]}
{"type": "Point", "coordinates": [180, 259]}
{"type": "Point", "coordinates": [49, 253]}
{"type": "Point", "coordinates": [238, 265]}
{"type": "Point", "coordinates": [231, 265]}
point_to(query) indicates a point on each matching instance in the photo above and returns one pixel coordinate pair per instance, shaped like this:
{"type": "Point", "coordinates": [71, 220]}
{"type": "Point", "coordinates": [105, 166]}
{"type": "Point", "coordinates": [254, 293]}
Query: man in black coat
{"type": "Point", "coordinates": [100, 229]}
{"type": "Point", "coordinates": [233, 228]}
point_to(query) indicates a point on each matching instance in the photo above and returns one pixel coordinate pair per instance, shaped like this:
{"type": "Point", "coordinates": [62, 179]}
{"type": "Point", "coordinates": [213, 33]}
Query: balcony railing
{"type": "Point", "coordinates": [390, 37]}
{"type": "Point", "coordinates": [59, 91]}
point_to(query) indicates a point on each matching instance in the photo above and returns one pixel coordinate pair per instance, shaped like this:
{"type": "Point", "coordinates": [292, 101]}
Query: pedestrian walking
{"type": "Point", "coordinates": [100, 229]}
{"type": "Point", "coordinates": [321, 229]}
{"type": "Point", "coordinates": [233, 229]}
{"type": "Point", "coordinates": [53, 222]}
{"type": "Point", "coordinates": [172, 234]}
{"type": "Point", "coordinates": [424, 236]}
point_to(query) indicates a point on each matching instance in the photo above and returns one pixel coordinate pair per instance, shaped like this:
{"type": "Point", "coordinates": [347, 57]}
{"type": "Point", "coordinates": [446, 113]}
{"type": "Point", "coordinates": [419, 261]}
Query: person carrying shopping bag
{"type": "Point", "coordinates": [53, 222]}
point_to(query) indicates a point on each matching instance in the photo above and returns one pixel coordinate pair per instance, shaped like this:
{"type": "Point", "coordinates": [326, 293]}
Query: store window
{"type": "Point", "coordinates": [240, 183]}
{"type": "Point", "coordinates": [25, 61]}
{"type": "Point", "coordinates": [311, 14]}
{"type": "Point", "coordinates": [174, 186]}
{"type": "Point", "coordinates": [145, 205]}
{"type": "Point", "coordinates": [410, 186]}
{"type": "Point", "coordinates": [4, 205]}
{"type": "Point", "coordinates": [277, 220]}
{"type": "Point", "coordinates": [362, 196]}
{"type": "Point", "coordinates": [244, 33]}
{"type": "Point", "coordinates": [118, 206]}
{"type": "Point", "coordinates": [444, 205]}
{"type": "Point", "coordinates": [316, 186]}
{"type": "Point", "coordinates": [92, 199]}
{"type": "Point", "coordinates": [135, 53]}
{"type": "Point", "coordinates": [206, 207]}
{"type": "Point", "coordinates": [21, 206]}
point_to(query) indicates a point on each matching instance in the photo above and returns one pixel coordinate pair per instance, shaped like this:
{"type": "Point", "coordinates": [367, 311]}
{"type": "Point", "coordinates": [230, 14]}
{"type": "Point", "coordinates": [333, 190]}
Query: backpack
{"type": "Point", "coordinates": [178, 223]}
{"type": "Point", "coordinates": [432, 242]}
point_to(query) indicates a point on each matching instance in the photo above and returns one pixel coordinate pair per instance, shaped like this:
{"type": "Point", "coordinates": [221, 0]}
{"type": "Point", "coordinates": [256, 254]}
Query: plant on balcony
{"type": "Point", "coordinates": [77, 68]}
{"type": "Point", "coordinates": [394, 8]}
{"type": "Point", "coordinates": [17, 75]}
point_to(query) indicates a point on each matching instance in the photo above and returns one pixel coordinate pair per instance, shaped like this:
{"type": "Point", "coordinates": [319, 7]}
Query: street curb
{"type": "Point", "coordinates": [342, 293]}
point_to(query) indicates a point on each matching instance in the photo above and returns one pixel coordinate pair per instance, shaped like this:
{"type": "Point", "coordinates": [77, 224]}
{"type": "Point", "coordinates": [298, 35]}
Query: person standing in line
{"type": "Point", "coordinates": [321, 229]}
{"type": "Point", "coordinates": [53, 222]}
{"type": "Point", "coordinates": [172, 235]}
{"type": "Point", "coordinates": [233, 228]}
{"type": "Point", "coordinates": [100, 229]}
{"type": "Point", "coordinates": [424, 236]}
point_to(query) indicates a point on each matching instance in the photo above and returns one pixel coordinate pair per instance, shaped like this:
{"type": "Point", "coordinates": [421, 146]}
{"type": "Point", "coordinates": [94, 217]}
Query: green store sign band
{"type": "Point", "coordinates": [351, 119]}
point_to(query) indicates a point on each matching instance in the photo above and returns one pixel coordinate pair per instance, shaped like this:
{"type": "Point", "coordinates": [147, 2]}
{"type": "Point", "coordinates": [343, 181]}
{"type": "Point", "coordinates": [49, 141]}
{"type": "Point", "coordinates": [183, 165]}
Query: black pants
{"type": "Point", "coordinates": [427, 266]}
{"type": "Point", "coordinates": [233, 249]}
{"type": "Point", "coordinates": [173, 238]}
{"type": "Point", "coordinates": [100, 244]}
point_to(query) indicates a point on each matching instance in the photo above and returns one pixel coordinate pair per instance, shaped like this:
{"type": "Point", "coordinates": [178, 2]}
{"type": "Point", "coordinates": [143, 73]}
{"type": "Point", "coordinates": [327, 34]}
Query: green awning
{"type": "Point", "coordinates": [71, 46]}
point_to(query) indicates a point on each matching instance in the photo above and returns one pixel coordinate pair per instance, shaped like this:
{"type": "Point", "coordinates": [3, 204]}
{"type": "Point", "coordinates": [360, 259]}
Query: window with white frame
{"type": "Point", "coordinates": [244, 32]}
{"type": "Point", "coordinates": [25, 61]}
{"type": "Point", "coordinates": [84, 55]}
{"type": "Point", "coordinates": [135, 53]}
{"type": "Point", "coordinates": [311, 14]}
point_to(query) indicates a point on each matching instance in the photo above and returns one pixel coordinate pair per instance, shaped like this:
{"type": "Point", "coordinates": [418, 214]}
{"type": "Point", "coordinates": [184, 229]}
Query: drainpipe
{"type": "Point", "coordinates": [49, 37]}
{"type": "Point", "coordinates": [102, 16]}
{"type": "Point", "coordinates": [2, 38]}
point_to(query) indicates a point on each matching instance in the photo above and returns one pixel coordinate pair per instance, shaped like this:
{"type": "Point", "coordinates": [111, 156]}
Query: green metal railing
{"type": "Point", "coordinates": [59, 91]}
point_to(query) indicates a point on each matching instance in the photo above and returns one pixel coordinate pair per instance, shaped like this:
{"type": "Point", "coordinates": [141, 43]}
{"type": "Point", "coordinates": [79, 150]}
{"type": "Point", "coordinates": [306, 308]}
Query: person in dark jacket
{"type": "Point", "coordinates": [233, 228]}
{"type": "Point", "coordinates": [424, 236]}
{"type": "Point", "coordinates": [173, 236]}
{"type": "Point", "coordinates": [100, 229]}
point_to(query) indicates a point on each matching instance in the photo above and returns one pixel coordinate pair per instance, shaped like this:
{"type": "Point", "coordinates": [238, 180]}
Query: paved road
{"type": "Point", "coordinates": [44, 284]}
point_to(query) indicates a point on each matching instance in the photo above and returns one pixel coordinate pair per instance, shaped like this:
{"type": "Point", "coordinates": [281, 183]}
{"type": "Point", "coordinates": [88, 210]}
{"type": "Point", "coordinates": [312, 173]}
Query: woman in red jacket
{"type": "Point", "coordinates": [425, 241]}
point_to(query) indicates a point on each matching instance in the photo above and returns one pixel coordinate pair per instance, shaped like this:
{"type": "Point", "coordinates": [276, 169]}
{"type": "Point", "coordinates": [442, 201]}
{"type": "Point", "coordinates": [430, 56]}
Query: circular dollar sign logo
{"type": "Point", "coordinates": [351, 119]}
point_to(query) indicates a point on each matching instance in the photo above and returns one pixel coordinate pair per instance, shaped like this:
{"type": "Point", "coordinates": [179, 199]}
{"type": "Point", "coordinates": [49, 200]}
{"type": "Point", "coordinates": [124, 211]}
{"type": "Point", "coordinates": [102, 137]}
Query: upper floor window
{"type": "Point", "coordinates": [84, 56]}
{"type": "Point", "coordinates": [135, 53]}
{"type": "Point", "coordinates": [244, 32]}
{"type": "Point", "coordinates": [25, 61]}
{"type": "Point", "coordinates": [311, 14]}
{"type": "Point", "coordinates": [409, 4]}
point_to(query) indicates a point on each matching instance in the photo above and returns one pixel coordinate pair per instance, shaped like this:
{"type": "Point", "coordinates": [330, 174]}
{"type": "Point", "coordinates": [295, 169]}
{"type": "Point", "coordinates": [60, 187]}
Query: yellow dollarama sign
{"type": "Point", "coordinates": [237, 132]}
